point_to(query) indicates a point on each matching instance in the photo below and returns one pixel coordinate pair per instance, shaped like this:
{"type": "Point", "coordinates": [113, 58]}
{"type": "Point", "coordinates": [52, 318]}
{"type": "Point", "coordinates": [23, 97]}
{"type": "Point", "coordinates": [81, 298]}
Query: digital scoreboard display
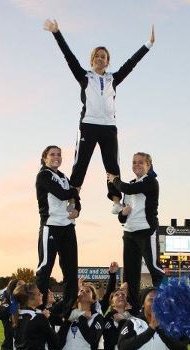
{"type": "Point", "coordinates": [177, 244]}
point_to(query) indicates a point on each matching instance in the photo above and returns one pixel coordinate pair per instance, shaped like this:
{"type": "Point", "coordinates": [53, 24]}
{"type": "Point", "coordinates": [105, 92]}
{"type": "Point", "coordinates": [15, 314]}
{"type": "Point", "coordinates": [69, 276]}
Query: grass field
{"type": "Point", "coordinates": [1, 334]}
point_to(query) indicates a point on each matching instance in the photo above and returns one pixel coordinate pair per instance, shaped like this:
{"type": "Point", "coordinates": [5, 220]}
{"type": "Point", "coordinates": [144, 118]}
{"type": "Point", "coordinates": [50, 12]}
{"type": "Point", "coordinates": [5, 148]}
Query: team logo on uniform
{"type": "Point", "coordinates": [98, 325]}
{"type": "Point", "coordinates": [125, 331]}
{"type": "Point", "coordinates": [107, 325]}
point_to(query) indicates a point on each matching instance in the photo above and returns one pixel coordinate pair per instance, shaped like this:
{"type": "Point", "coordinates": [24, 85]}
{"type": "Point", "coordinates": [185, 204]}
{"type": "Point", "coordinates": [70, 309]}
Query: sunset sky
{"type": "Point", "coordinates": [40, 105]}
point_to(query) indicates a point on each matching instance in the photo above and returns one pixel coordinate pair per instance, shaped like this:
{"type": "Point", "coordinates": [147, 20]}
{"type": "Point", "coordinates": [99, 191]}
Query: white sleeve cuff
{"type": "Point", "coordinates": [148, 44]}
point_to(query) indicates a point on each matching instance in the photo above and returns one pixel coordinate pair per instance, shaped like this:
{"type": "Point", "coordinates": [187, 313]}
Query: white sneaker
{"type": "Point", "coordinates": [117, 207]}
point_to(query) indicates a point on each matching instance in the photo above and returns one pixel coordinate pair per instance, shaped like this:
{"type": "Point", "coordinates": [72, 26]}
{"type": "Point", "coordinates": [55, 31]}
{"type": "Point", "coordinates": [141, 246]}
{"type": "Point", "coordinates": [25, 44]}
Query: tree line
{"type": "Point", "coordinates": [26, 275]}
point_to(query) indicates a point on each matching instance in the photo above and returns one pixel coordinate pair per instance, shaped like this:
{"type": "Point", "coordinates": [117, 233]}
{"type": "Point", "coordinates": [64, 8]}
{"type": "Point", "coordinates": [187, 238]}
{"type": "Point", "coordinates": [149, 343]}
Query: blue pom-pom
{"type": "Point", "coordinates": [13, 305]}
{"type": "Point", "coordinates": [172, 307]}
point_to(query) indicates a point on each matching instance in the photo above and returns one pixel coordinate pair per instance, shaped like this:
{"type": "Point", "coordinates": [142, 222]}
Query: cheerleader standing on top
{"type": "Point", "coordinates": [98, 120]}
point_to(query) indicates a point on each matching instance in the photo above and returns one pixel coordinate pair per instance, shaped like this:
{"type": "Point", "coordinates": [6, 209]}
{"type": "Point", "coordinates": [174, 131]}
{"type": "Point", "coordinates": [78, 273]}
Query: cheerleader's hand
{"type": "Point", "coordinates": [111, 177]}
{"type": "Point", "coordinates": [81, 282]}
{"type": "Point", "coordinates": [113, 267]}
{"type": "Point", "coordinates": [118, 317]}
{"type": "Point", "coordinates": [73, 214]}
{"type": "Point", "coordinates": [46, 313]}
{"type": "Point", "coordinates": [51, 26]}
{"type": "Point", "coordinates": [126, 210]}
{"type": "Point", "coordinates": [87, 314]}
{"type": "Point", "coordinates": [152, 36]}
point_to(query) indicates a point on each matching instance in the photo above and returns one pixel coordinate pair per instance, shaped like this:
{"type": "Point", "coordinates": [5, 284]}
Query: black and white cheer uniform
{"type": "Point", "coordinates": [57, 233]}
{"type": "Point", "coordinates": [140, 237]}
{"type": "Point", "coordinates": [98, 121]}
{"type": "Point", "coordinates": [137, 334]}
{"type": "Point", "coordinates": [33, 332]}
{"type": "Point", "coordinates": [82, 333]}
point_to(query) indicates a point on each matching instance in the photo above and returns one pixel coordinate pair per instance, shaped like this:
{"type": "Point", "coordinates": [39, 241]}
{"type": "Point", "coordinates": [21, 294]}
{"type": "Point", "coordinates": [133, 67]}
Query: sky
{"type": "Point", "coordinates": [40, 105]}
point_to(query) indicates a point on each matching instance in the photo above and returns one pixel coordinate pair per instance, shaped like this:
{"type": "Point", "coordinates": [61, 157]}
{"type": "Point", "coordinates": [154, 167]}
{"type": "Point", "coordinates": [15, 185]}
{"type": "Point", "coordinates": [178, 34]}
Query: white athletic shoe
{"type": "Point", "coordinates": [117, 207]}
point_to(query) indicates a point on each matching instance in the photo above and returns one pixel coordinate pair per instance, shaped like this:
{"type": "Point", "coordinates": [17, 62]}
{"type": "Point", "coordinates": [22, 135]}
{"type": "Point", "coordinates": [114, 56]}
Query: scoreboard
{"type": "Point", "coordinates": [175, 248]}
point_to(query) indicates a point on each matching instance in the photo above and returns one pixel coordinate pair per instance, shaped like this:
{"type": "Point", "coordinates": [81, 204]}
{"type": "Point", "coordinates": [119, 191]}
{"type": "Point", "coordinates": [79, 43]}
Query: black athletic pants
{"type": "Point", "coordinates": [61, 240]}
{"type": "Point", "coordinates": [7, 343]}
{"type": "Point", "coordinates": [136, 245]}
{"type": "Point", "coordinates": [106, 137]}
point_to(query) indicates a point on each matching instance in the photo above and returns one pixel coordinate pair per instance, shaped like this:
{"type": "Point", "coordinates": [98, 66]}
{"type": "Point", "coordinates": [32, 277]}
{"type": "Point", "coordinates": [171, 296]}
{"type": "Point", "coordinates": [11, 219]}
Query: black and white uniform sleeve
{"type": "Point", "coordinates": [74, 65]}
{"type": "Point", "coordinates": [111, 330]}
{"type": "Point", "coordinates": [148, 184]}
{"type": "Point", "coordinates": [129, 338]}
{"type": "Point", "coordinates": [172, 343]}
{"type": "Point", "coordinates": [129, 65]}
{"type": "Point", "coordinates": [110, 288]}
{"type": "Point", "coordinates": [93, 332]}
{"type": "Point", "coordinates": [47, 182]}
{"type": "Point", "coordinates": [82, 333]}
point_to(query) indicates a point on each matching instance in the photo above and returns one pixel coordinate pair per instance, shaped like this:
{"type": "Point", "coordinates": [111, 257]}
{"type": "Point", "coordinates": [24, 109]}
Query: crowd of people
{"type": "Point", "coordinates": [123, 319]}
{"type": "Point", "coordinates": [91, 324]}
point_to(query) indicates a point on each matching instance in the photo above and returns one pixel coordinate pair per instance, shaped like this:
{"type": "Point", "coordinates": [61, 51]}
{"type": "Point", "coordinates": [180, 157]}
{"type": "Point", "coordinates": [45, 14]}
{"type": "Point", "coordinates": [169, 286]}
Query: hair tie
{"type": "Point", "coordinates": [151, 171]}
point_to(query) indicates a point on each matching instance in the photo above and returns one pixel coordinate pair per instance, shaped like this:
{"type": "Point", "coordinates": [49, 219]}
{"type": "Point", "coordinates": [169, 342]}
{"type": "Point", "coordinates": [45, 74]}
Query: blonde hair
{"type": "Point", "coordinates": [94, 52]}
{"type": "Point", "coordinates": [147, 157]}
{"type": "Point", "coordinates": [24, 292]}
{"type": "Point", "coordinates": [112, 296]}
